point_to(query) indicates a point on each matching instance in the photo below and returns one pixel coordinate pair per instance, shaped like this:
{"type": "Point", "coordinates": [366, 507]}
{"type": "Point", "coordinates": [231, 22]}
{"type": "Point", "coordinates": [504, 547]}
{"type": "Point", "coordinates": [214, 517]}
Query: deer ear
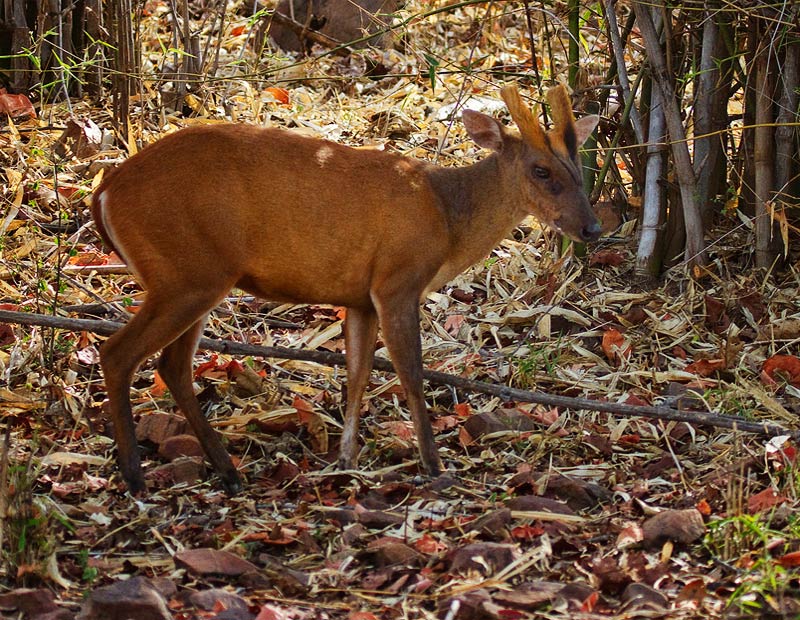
{"type": "Point", "coordinates": [584, 127]}
{"type": "Point", "coordinates": [484, 130]}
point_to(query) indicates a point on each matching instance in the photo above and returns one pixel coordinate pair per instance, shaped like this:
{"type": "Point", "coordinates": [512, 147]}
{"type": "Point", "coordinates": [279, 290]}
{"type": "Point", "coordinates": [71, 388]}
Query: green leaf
{"type": "Point", "coordinates": [433, 64]}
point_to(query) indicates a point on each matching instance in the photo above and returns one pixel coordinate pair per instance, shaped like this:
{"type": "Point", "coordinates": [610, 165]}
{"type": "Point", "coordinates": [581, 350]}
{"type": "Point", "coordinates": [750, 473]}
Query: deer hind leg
{"type": "Point", "coordinates": [162, 319]}
{"type": "Point", "coordinates": [360, 333]}
{"type": "Point", "coordinates": [175, 367]}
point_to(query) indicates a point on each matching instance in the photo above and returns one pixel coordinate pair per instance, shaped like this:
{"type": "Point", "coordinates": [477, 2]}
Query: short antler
{"type": "Point", "coordinates": [561, 109]}
{"type": "Point", "coordinates": [560, 105]}
{"type": "Point", "coordinates": [526, 120]}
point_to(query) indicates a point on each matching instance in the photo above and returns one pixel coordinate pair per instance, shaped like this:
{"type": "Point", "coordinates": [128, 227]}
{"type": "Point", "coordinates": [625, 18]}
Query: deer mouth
{"type": "Point", "coordinates": [586, 233]}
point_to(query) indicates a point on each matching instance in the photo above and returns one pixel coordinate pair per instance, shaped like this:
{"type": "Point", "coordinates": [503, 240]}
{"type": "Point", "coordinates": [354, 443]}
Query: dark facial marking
{"type": "Point", "coordinates": [571, 141]}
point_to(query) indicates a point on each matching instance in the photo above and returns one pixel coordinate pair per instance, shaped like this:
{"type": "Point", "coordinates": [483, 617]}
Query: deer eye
{"type": "Point", "coordinates": [541, 172]}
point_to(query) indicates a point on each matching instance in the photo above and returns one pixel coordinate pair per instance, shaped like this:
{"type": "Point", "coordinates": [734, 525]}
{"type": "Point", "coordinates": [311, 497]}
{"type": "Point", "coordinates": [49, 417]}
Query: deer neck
{"type": "Point", "coordinates": [480, 208]}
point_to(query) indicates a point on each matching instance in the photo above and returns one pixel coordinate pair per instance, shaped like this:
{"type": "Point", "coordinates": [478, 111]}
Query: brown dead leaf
{"type": "Point", "coordinates": [527, 532]}
{"type": "Point", "coordinates": [273, 612]}
{"type": "Point", "coordinates": [612, 258]}
{"type": "Point", "coordinates": [716, 318]}
{"type": "Point", "coordinates": [578, 493]}
{"type": "Point", "coordinates": [784, 329]}
{"type": "Point", "coordinates": [89, 258]}
{"type": "Point", "coordinates": [579, 595]}
{"type": "Point", "coordinates": [429, 545]}
{"type": "Point", "coordinates": [279, 95]}
{"type": "Point", "coordinates": [534, 503]}
{"type": "Point", "coordinates": [683, 526]}
{"type": "Point", "coordinates": [483, 558]}
{"type": "Point", "coordinates": [445, 423]}
{"type": "Point", "coordinates": [158, 426]}
{"type": "Point", "coordinates": [692, 594]}
{"type": "Point", "coordinates": [16, 106]}
{"type": "Point", "coordinates": [386, 552]}
{"type": "Point", "coordinates": [180, 445]}
{"type": "Point", "coordinates": [615, 347]}
{"type": "Point", "coordinates": [400, 429]}
{"type": "Point", "coordinates": [217, 599]}
{"type": "Point", "coordinates": [497, 421]}
{"type": "Point", "coordinates": [317, 429]}
{"type": "Point", "coordinates": [492, 525]}
{"type": "Point", "coordinates": [754, 303]}
{"type": "Point", "coordinates": [704, 508]}
{"type": "Point", "coordinates": [529, 595]}
{"type": "Point", "coordinates": [473, 605]}
{"type": "Point", "coordinates": [183, 470]}
{"type": "Point", "coordinates": [640, 596]}
{"type": "Point", "coordinates": [453, 323]}
{"type": "Point", "coordinates": [764, 501]}
{"type": "Point", "coordinates": [159, 387]}
{"type": "Point", "coordinates": [789, 560]}
{"type": "Point", "coordinates": [81, 139]}
{"type": "Point", "coordinates": [610, 576]}
{"type": "Point", "coordinates": [377, 519]}
{"type": "Point", "coordinates": [462, 410]}
{"type": "Point", "coordinates": [706, 368]}
{"type": "Point", "coordinates": [213, 562]}
{"type": "Point", "coordinates": [29, 601]}
{"type": "Point", "coordinates": [780, 369]}
{"type": "Point", "coordinates": [6, 334]}
{"type": "Point", "coordinates": [629, 535]}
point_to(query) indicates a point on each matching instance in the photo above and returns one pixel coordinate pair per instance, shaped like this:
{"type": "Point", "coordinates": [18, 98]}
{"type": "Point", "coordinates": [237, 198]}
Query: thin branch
{"type": "Point", "coordinates": [619, 56]}
{"type": "Point", "coordinates": [328, 358]}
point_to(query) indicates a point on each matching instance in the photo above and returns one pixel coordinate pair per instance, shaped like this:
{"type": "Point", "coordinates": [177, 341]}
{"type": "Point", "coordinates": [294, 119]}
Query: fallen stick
{"type": "Point", "coordinates": [328, 358]}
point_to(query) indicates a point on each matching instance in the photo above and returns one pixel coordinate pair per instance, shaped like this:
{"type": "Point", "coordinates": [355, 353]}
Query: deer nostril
{"type": "Point", "coordinates": [591, 232]}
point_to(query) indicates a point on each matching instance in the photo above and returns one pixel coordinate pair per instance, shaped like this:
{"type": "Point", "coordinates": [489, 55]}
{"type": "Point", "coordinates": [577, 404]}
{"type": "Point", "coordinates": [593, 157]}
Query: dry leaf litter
{"type": "Point", "coordinates": [554, 513]}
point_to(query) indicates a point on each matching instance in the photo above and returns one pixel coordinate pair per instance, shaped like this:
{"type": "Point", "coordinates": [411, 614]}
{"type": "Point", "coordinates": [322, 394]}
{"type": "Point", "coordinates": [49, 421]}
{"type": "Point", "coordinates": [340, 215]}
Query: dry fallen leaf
{"type": "Point", "coordinates": [780, 369]}
{"type": "Point", "coordinates": [615, 346]}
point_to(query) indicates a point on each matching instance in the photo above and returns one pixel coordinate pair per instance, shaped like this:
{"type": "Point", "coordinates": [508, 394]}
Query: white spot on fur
{"type": "Point", "coordinates": [323, 155]}
{"type": "Point", "coordinates": [109, 228]}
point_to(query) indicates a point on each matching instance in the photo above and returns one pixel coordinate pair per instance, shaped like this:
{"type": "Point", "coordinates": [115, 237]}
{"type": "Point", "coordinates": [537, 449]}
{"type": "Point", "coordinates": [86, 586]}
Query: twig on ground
{"type": "Point", "coordinates": [329, 358]}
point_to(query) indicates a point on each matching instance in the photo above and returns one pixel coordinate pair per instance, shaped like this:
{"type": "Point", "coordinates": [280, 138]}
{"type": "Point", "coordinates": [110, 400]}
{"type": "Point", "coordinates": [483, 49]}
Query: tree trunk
{"type": "Point", "coordinates": [126, 66]}
{"type": "Point", "coordinates": [707, 147]}
{"type": "Point", "coordinates": [22, 76]}
{"type": "Point", "coordinates": [785, 133]}
{"type": "Point", "coordinates": [764, 160]}
{"type": "Point", "coordinates": [648, 257]}
{"type": "Point", "coordinates": [694, 253]}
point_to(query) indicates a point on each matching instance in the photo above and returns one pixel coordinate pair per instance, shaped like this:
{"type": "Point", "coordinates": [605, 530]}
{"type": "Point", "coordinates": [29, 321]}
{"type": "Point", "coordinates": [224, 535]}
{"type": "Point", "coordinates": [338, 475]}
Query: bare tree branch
{"type": "Point", "coordinates": [328, 358]}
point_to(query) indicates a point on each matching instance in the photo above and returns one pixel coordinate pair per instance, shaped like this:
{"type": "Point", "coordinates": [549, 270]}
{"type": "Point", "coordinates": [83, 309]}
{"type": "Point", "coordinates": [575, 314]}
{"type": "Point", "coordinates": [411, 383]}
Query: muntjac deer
{"type": "Point", "coordinates": [297, 219]}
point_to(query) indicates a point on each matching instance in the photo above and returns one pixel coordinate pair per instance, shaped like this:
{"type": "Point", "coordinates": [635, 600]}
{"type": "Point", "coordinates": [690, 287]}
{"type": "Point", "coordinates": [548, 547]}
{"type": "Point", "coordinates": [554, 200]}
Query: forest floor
{"type": "Point", "coordinates": [545, 512]}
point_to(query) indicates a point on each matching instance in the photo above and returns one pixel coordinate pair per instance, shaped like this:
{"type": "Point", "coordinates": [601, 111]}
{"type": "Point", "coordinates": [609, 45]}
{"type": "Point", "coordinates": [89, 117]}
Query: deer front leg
{"type": "Point", "coordinates": [399, 317]}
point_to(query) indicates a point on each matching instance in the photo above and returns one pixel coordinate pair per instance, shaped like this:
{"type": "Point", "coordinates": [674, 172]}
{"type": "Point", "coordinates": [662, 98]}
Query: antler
{"type": "Point", "coordinates": [526, 121]}
{"type": "Point", "coordinates": [561, 109]}
{"type": "Point", "coordinates": [560, 105]}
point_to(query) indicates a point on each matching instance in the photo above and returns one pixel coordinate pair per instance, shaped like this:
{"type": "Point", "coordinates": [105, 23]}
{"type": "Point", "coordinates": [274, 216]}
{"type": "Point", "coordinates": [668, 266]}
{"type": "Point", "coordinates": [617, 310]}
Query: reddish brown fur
{"type": "Point", "coordinates": [297, 219]}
